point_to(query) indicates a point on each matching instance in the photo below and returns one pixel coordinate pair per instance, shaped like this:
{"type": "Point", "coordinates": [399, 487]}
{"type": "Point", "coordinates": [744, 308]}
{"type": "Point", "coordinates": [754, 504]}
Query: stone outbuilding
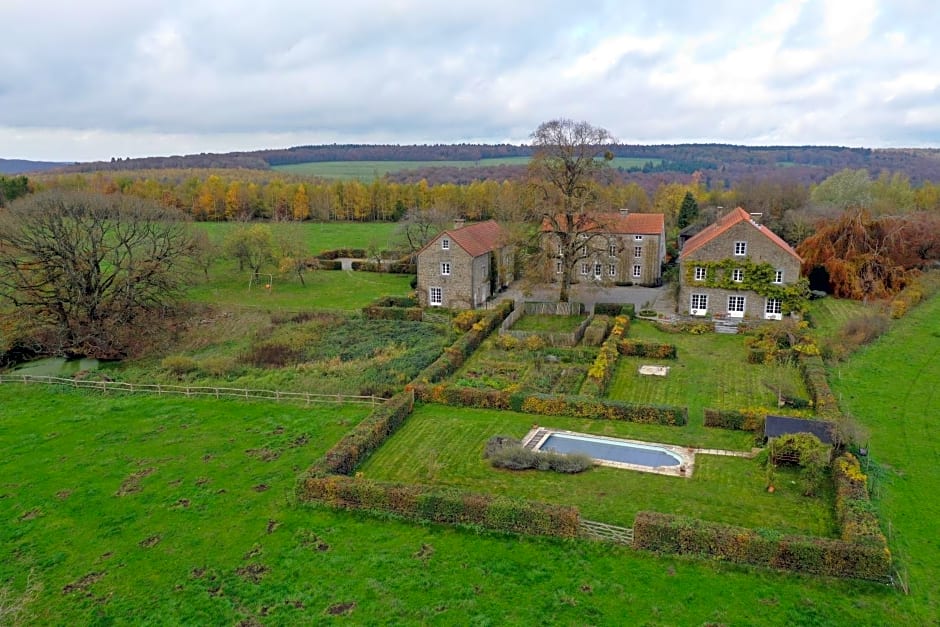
{"type": "Point", "coordinates": [462, 267]}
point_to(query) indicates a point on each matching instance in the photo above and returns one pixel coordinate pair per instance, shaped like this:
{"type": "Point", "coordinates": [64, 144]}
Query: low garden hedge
{"type": "Point", "coordinates": [615, 309]}
{"type": "Point", "coordinates": [817, 384]}
{"type": "Point", "coordinates": [336, 253]}
{"type": "Point", "coordinates": [668, 533]}
{"type": "Point", "coordinates": [635, 348]}
{"type": "Point", "coordinates": [740, 420]}
{"type": "Point", "coordinates": [601, 371]}
{"type": "Point", "coordinates": [855, 512]}
{"type": "Point", "coordinates": [551, 405]}
{"type": "Point", "coordinates": [443, 505]}
{"type": "Point", "coordinates": [365, 438]}
{"type": "Point", "coordinates": [454, 355]}
{"type": "Point", "coordinates": [414, 314]}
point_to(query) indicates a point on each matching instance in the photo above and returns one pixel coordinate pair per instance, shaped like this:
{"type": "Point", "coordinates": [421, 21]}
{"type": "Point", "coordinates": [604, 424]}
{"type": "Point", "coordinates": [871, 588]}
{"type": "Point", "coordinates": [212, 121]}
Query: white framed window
{"type": "Point", "coordinates": [699, 273]}
{"type": "Point", "coordinates": [612, 269]}
{"type": "Point", "coordinates": [637, 270]}
{"type": "Point", "coordinates": [612, 250]}
{"type": "Point", "coordinates": [445, 268]}
{"type": "Point", "coordinates": [435, 296]}
{"type": "Point", "coordinates": [638, 238]}
{"type": "Point", "coordinates": [778, 276]}
{"type": "Point", "coordinates": [445, 244]}
{"type": "Point", "coordinates": [637, 251]}
{"type": "Point", "coordinates": [597, 270]}
{"type": "Point", "coordinates": [737, 275]}
{"type": "Point", "coordinates": [736, 306]}
{"type": "Point", "coordinates": [558, 266]}
{"type": "Point", "coordinates": [740, 249]}
{"type": "Point", "coordinates": [773, 310]}
{"type": "Point", "coordinates": [585, 269]}
{"type": "Point", "coordinates": [699, 304]}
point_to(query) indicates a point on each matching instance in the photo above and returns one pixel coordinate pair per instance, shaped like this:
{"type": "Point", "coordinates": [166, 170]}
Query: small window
{"type": "Point", "coordinates": [612, 269]}
{"type": "Point", "coordinates": [638, 251]}
{"type": "Point", "coordinates": [612, 250]}
{"type": "Point", "coordinates": [585, 269]}
{"type": "Point", "coordinates": [774, 306]}
{"type": "Point", "coordinates": [597, 270]}
{"type": "Point", "coordinates": [445, 244]}
{"type": "Point", "coordinates": [740, 249]}
{"type": "Point", "coordinates": [699, 273]}
{"type": "Point", "coordinates": [699, 304]}
{"type": "Point", "coordinates": [445, 269]}
{"type": "Point", "coordinates": [637, 270]}
{"type": "Point", "coordinates": [436, 296]}
{"type": "Point", "coordinates": [778, 276]}
{"type": "Point", "coordinates": [638, 238]}
{"type": "Point", "coordinates": [737, 275]}
{"type": "Point", "coordinates": [558, 267]}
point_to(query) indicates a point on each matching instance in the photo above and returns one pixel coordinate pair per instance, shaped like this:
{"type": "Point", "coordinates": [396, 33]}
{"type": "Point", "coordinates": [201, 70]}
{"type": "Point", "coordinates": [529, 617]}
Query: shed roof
{"type": "Point", "coordinates": [724, 223]}
{"type": "Point", "coordinates": [775, 426]}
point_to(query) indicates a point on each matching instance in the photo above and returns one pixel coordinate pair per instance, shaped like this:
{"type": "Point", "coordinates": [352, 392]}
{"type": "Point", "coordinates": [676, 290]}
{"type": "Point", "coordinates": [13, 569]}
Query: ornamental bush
{"type": "Point", "coordinates": [634, 348]}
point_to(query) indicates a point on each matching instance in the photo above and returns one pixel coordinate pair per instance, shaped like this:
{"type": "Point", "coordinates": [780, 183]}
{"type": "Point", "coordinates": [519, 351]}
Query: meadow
{"type": "Point", "coordinates": [369, 170]}
{"type": "Point", "coordinates": [318, 236]}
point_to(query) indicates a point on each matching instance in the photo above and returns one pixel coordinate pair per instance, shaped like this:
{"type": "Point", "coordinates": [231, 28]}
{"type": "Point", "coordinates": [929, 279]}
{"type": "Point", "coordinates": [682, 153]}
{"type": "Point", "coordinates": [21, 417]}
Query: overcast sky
{"type": "Point", "coordinates": [101, 78]}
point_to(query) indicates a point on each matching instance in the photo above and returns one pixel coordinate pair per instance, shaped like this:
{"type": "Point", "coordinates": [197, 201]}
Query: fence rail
{"type": "Point", "coordinates": [186, 390]}
{"type": "Point", "coordinates": [609, 533]}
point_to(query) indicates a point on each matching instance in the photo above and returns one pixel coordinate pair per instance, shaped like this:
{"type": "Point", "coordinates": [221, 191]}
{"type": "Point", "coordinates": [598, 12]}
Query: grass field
{"type": "Point", "coordinates": [319, 236]}
{"type": "Point", "coordinates": [548, 323]}
{"type": "Point", "coordinates": [368, 170]}
{"type": "Point", "coordinates": [710, 372]}
{"type": "Point", "coordinates": [443, 445]}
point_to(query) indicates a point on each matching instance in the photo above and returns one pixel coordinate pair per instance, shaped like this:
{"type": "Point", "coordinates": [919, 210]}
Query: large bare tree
{"type": "Point", "coordinates": [568, 157]}
{"type": "Point", "coordinates": [91, 265]}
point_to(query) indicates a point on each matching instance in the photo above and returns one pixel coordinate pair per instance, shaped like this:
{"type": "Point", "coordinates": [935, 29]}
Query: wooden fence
{"type": "Point", "coordinates": [187, 390]}
{"type": "Point", "coordinates": [553, 309]}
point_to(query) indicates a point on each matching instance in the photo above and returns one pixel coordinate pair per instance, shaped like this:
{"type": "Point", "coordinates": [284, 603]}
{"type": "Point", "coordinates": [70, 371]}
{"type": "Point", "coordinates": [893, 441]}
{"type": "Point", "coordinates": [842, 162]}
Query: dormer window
{"type": "Point", "coordinates": [445, 244]}
{"type": "Point", "coordinates": [740, 249]}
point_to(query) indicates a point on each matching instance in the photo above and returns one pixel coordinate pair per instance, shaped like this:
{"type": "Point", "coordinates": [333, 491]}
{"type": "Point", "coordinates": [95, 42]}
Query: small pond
{"type": "Point", "coordinates": [56, 366]}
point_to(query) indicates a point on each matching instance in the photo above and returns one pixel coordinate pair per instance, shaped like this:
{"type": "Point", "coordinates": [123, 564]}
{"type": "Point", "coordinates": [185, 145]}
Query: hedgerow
{"type": "Point", "coordinates": [749, 419]}
{"type": "Point", "coordinates": [635, 348]}
{"type": "Point", "coordinates": [443, 505]}
{"type": "Point", "coordinates": [600, 373]}
{"type": "Point", "coordinates": [854, 509]}
{"type": "Point", "coordinates": [814, 377]}
{"type": "Point", "coordinates": [668, 533]}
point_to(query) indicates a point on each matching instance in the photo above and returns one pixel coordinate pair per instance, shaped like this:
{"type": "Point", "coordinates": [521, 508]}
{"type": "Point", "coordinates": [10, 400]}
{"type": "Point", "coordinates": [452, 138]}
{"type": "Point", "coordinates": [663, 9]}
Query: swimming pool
{"type": "Point", "coordinates": [611, 450]}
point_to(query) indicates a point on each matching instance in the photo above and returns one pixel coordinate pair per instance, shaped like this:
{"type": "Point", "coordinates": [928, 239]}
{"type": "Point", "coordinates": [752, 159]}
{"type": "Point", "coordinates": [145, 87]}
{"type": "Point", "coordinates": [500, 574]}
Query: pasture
{"type": "Point", "coordinates": [369, 170]}
{"type": "Point", "coordinates": [318, 236]}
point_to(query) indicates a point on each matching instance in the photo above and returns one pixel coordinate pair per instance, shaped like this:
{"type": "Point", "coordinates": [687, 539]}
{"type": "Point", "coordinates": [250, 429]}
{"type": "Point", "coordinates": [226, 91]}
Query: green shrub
{"type": "Point", "coordinates": [354, 253]}
{"type": "Point", "coordinates": [179, 364]}
{"type": "Point", "coordinates": [601, 371]}
{"type": "Point", "coordinates": [817, 384]}
{"type": "Point", "coordinates": [443, 505]}
{"type": "Point", "coordinates": [595, 332]}
{"type": "Point", "coordinates": [508, 453]}
{"type": "Point", "coordinates": [855, 512]}
{"type": "Point", "coordinates": [751, 419]}
{"type": "Point", "coordinates": [635, 348]}
{"type": "Point", "coordinates": [667, 533]}
{"type": "Point", "coordinates": [272, 354]}
{"type": "Point", "coordinates": [615, 309]}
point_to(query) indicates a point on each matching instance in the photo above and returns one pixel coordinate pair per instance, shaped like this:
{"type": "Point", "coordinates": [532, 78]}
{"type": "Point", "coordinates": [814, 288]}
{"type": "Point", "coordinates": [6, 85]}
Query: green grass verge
{"type": "Point", "coordinates": [443, 445]}
{"type": "Point", "coordinates": [891, 386]}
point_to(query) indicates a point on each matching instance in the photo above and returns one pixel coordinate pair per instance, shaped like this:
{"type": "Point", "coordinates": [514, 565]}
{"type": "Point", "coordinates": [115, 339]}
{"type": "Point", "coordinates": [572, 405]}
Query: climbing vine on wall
{"type": "Point", "coordinates": [757, 277]}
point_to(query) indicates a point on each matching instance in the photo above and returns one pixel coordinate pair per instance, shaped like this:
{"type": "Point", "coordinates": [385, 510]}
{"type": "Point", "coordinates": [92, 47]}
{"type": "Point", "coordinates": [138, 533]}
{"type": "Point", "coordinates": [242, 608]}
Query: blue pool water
{"type": "Point", "coordinates": [611, 450]}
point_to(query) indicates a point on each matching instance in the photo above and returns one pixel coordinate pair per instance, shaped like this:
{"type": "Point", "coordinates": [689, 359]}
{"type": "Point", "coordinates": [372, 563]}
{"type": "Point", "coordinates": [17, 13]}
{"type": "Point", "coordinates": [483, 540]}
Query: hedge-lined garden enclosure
{"type": "Point", "coordinates": [443, 446]}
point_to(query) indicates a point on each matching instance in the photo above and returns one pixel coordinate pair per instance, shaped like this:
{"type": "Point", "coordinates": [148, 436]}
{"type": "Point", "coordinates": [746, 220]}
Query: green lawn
{"type": "Point", "coordinates": [369, 170]}
{"type": "Point", "coordinates": [830, 314]}
{"type": "Point", "coordinates": [325, 289]}
{"type": "Point", "coordinates": [320, 236]}
{"type": "Point", "coordinates": [710, 372]}
{"type": "Point", "coordinates": [548, 323]}
{"type": "Point", "coordinates": [443, 445]}
{"type": "Point", "coordinates": [891, 386]}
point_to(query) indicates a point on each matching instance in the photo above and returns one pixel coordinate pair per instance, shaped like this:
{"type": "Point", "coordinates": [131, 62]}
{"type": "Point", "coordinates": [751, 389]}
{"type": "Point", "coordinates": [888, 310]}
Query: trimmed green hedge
{"type": "Point", "coordinates": [667, 533]}
{"type": "Point", "coordinates": [635, 348]}
{"type": "Point", "coordinates": [414, 314]}
{"type": "Point", "coordinates": [550, 405]}
{"type": "Point", "coordinates": [601, 371]}
{"type": "Point", "coordinates": [397, 267]}
{"type": "Point", "coordinates": [615, 309]}
{"type": "Point", "coordinates": [817, 384]}
{"type": "Point", "coordinates": [454, 355]}
{"type": "Point", "coordinates": [365, 438]}
{"type": "Point", "coordinates": [444, 505]}
{"type": "Point", "coordinates": [747, 420]}
{"type": "Point", "coordinates": [336, 253]}
{"type": "Point", "coordinates": [854, 509]}
{"type": "Point", "coordinates": [596, 331]}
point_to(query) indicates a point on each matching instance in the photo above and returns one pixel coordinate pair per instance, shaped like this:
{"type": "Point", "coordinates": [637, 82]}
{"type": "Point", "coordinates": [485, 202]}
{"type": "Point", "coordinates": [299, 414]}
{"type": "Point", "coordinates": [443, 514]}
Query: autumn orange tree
{"type": "Point", "coordinates": [868, 257]}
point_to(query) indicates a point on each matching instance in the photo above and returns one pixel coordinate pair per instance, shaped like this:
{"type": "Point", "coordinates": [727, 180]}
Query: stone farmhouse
{"type": "Point", "coordinates": [737, 268]}
{"type": "Point", "coordinates": [462, 267]}
{"type": "Point", "coordinates": [621, 248]}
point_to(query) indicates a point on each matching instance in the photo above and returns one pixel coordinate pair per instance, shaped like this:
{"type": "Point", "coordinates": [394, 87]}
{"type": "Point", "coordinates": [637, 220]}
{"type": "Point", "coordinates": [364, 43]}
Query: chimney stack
{"type": "Point", "coordinates": [458, 223]}
{"type": "Point", "coordinates": [624, 211]}
{"type": "Point", "coordinates": [756, 217]}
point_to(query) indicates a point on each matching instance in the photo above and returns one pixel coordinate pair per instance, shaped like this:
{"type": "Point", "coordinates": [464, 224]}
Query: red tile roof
{"type": "Point", "coordinates": [630, 224]}
{"type": "Point", "coordinates": [727, 221]}
{"type": "Point", "coordinates": [478, 239]}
